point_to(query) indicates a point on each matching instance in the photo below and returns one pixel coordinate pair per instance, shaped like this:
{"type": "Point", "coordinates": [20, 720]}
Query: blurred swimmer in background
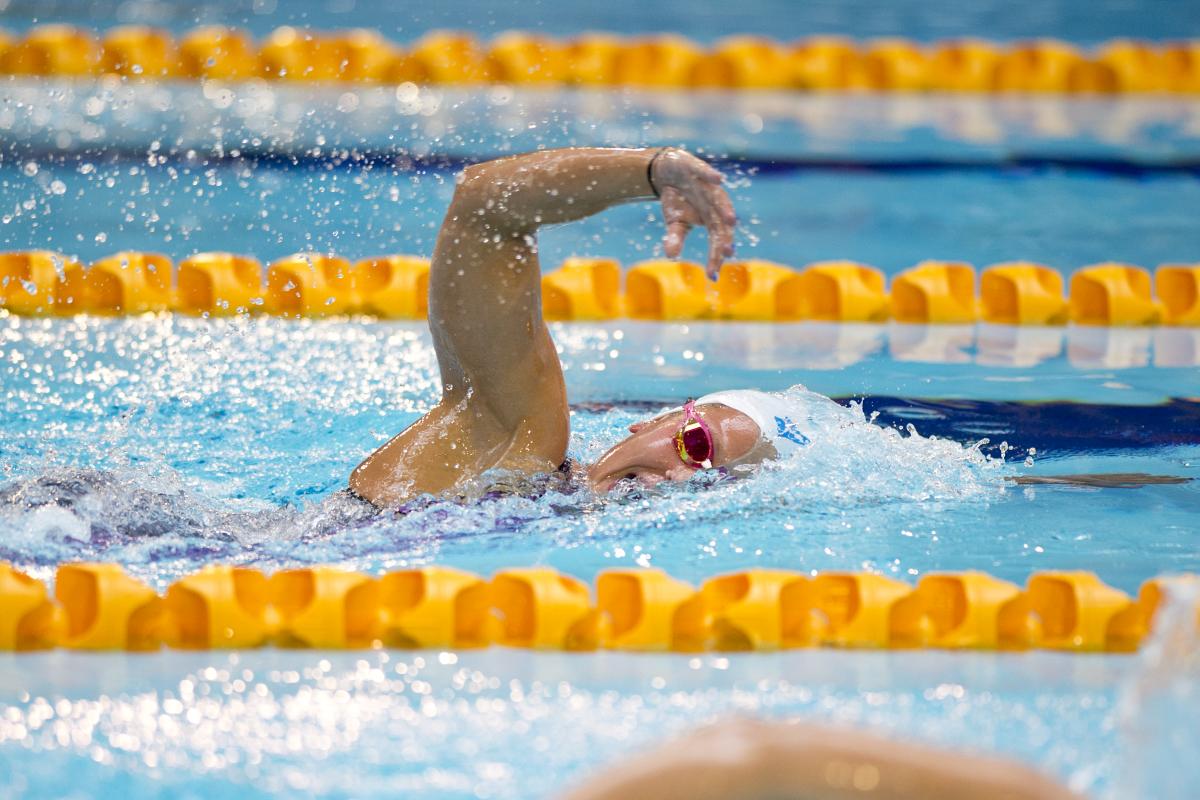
{"type": "Point", "coordinates": [756, 760]}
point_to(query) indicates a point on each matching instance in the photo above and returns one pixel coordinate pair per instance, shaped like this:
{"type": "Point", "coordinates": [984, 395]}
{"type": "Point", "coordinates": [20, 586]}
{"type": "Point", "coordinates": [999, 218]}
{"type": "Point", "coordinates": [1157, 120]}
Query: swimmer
{"type": "Point", "coordinates": [504, 401]}
{"type": "Point", "coordinates": [753, 760]}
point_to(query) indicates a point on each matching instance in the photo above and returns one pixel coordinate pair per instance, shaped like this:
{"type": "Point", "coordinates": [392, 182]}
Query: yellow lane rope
{"type": "Point", "coordinates": [395, 286]}
{"type": "Point", "coordinates": [665, 61]}
{"type": "Point", "coordinates": [100, 607]}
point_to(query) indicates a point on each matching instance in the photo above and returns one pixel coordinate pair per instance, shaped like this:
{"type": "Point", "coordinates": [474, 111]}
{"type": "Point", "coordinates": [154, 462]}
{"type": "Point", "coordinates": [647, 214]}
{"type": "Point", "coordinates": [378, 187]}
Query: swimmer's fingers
{"type": "Point", "coordinates": [719, 218]}
{"type": "Point", "coordinates": [692, 195]}
{"type": "Point", "coordinates": [712, 205]}
{"type": "Point", "coordinates": [673, 241]}
{"type": "Point", "coordinates": [717, 206]}
{"type": "Point", "coordinates": [680, 218]}
{"type": "Point", "coordinates": [720, 247]}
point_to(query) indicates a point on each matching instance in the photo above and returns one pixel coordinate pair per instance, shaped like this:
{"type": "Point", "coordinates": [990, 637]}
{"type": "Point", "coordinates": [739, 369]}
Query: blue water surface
{"type": "Point", "coordinates": [161, 442]}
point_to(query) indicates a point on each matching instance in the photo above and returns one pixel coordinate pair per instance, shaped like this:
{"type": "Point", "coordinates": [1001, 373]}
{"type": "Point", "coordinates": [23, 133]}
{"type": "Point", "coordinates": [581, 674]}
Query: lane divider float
{"type": "Point", "coordinates": [98, 606]}
{"type": "Point", "coordinates": [396, 287]}
{"type": "Point", "coordinates": [663, 61]}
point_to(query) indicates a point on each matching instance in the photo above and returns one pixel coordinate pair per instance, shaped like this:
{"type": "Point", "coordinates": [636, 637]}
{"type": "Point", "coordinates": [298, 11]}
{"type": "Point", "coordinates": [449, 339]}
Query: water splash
{"type": "Point", "coordinates": [851, 462]}
{"type": "Point", "coordinates": [149, 515]}
{"type": "Point", "coordinates": [165, 442]}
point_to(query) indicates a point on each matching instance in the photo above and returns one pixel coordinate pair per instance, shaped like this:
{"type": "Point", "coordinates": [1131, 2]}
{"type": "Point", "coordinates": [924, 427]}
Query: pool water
{"type": "Point", "coordinates": [162, 441]}
{"type": "Point", "coordinates": [921, 19]}
{"type": "Point", "coordinates": [509, 724]}
{"type": "Point", "coordinates": [166, 443]}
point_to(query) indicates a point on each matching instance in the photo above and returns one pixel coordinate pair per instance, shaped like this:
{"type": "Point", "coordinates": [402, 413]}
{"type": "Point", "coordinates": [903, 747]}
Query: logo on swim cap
{"type": "Point", "coordinates": [788, 430]}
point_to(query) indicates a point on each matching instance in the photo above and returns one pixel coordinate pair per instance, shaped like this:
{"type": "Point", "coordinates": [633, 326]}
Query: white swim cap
{"type": "Point", "coordinates": [782, 421]}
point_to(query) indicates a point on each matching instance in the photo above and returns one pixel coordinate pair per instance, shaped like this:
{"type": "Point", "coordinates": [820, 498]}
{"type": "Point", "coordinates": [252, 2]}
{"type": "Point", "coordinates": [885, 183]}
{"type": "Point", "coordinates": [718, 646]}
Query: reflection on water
{"type": "Point", "coordinates": [1017, 346]}
{"type": "Point", "coordinates": [831, 346]}
{"type": "Point", "coordinates": [1177, 347]}
{"type": "Point", "coordinates": [1108, 348]}
{"type": "Point", "coordinates": [502, 723]}
{"type": "Point", "coordinates": [938, 344]}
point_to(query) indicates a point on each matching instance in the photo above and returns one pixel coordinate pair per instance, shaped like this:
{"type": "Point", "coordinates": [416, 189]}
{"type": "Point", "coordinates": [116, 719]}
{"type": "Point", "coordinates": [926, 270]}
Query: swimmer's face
{"type": "Point", "coordinates": [649, 455]}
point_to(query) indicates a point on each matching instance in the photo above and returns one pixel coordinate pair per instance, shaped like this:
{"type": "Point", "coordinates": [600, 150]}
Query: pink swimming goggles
{"type": "Point", "coordinates": [694, 441]}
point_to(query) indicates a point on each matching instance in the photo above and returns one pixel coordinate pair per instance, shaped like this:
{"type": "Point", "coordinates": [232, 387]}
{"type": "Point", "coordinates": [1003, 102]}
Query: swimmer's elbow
{"type": "Point", "coordinates": [476, 192]}
{"type": "Point", "coordinates": [485, 195]}
{"type": "Point", "coordinates": [477, 173]}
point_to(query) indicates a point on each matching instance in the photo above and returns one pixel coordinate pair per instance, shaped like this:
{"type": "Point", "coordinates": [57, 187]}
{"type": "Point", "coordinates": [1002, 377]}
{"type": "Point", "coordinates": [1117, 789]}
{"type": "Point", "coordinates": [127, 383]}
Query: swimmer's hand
{"type": "Point", "coordinates": [692, 195]}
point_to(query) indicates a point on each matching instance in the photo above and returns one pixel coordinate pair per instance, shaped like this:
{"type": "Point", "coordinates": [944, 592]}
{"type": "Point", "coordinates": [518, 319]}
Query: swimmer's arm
{"type": "Point", "coordinates": [485, 311]}
{"type": "Point", "coordinates": [515, 196]}
{"type": "Point", "coordinates": [754, 760]}
{"type": "Point", "coordinates": [521, 193]}
{"type": "Point", "coordinates": [494, 352]}
{"type": "Point", "coordinates": [503, 397]}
